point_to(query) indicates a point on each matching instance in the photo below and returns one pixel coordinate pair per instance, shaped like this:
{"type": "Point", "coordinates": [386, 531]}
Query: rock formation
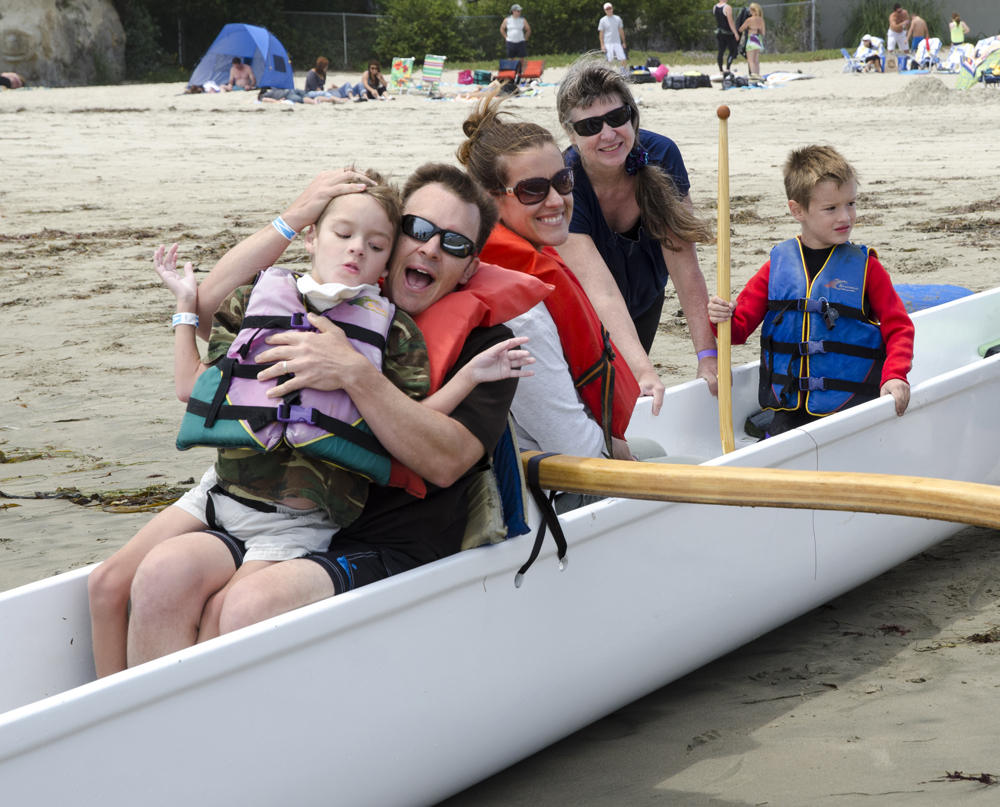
{"type": "Point", "coordinates": [62, 43]}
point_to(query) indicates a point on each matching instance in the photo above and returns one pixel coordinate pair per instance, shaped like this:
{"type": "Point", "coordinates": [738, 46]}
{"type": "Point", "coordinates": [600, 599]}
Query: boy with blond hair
{"type": "Point", "coordinates": [835, 332]}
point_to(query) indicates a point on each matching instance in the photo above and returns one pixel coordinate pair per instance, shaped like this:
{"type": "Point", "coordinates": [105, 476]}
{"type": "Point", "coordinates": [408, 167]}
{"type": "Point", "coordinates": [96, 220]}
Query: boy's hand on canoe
{"type": "Point", "coordinates": [719, 310]}
{"type": "Point", "coordinates": [900, 391]}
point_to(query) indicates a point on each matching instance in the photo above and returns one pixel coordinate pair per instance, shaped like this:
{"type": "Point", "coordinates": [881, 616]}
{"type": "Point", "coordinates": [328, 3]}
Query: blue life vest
{"type": "Point", "coordinates": [819, 350]}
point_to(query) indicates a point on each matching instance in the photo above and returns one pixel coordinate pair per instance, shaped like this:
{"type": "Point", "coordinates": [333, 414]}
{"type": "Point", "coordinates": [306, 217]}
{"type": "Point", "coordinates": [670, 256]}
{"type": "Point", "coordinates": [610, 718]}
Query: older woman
{"type": "Point", "coordinates": [633, 223]}
{"type": "Point", "coordinates": [583, 393]}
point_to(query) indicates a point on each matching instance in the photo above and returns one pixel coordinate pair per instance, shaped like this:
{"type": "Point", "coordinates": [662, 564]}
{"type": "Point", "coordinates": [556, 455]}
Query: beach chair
{"type": "Point", "coordinates": [431, 79]}
{"type": "Point", "coordinates": [853, 65]}
{"type": "Point", "coordinates": [956, 55]}
{"type": "Point", "coordinates": [400, 75]}
{"type": "Point", "coordinates": [533, 70]}
{"type": "Point", "coordinates": [926, 55]}
{"type": "Point", "coordinates": [510, 69]}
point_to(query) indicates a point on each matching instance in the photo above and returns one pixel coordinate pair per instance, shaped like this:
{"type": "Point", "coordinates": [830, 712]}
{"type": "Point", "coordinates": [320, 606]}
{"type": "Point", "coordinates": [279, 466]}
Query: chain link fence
{"type": "Point", "coordinates": [350, 40]}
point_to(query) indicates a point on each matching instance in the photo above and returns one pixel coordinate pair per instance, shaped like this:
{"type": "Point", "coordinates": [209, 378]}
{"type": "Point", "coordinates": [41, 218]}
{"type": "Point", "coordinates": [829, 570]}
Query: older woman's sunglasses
{"type": "Point", "coordinates": [451, 242]}
{"type": "Point", "coordinates": [534, 190]}
{"type": "Point", "coordinates": [588, 127]}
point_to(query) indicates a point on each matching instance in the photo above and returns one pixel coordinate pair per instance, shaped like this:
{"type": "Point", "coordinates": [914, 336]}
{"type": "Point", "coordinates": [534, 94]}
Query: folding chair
{"type": "Point", "coordinates": [853, 65]}
{"type": "Point", "coordinates": [433, 66]}
{"type": "Point", "coordinates": [510, 69]}
{"type": "Point", "coordinates": [533, 70]}
{"type": "Point", "coordinates": [400, 75]}
{"type": "Point", "coordinates": [926, 56]}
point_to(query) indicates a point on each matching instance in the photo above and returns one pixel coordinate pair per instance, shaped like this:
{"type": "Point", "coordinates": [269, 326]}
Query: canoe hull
{"type": "Point", "coordinates": [409, 690]}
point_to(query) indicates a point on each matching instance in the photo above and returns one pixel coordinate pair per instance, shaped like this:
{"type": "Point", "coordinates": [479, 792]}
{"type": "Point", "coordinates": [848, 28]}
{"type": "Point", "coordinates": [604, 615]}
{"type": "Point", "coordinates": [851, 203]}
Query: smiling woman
{"type": "Point", "coordinates": [583, 393]}
{"type": "Point", "coordinates": [633, 222]}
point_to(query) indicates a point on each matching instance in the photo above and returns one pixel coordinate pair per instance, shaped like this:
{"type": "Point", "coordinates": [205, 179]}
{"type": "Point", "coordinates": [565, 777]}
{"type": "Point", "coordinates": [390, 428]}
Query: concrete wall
{"type": "Point", "coordinates": [982, 16]}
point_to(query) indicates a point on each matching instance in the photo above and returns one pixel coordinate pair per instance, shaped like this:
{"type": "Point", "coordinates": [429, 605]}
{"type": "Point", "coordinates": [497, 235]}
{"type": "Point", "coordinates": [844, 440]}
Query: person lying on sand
{"type": "Point", "coordinates": [252, 509]}
{"type": "Point", "coordinates": [835, 333]}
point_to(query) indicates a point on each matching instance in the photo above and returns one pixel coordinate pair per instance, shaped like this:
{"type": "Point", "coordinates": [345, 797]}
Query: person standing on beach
{"type": "Point", "coordinates": [918, 31]}
{"type": "Point", "coordinates": [899, 22]}
{"type": "Point", "coordinates": [611, 33]}
{"type": "Point", "coordinates": [726, 35]}
{"type": "Point", "coordinates": [515, 31]}
{"type": "Point", "coordinates": [958, 29]}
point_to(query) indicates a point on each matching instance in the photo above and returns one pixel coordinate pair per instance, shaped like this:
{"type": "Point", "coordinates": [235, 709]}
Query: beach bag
{"type": "Point", "coordinates": [690, 82]}
{"type": "Point", "coordinates": [640, 75]}
{"type": "Point", "coordinates": [652, 62]}
{"type": "Point", "coordinates": [704, 81]}
{"type": "Point", "coordinates": [464, 76]}
{"type": "Point", "coordinates": [481, 76]}
{"type": "Point", "coordinates": [672, 83]}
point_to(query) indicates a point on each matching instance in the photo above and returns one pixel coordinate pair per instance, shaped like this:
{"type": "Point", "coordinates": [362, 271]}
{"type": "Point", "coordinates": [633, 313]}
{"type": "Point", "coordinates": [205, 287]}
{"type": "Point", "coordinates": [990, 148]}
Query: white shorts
{"type": "Point", "coordinates": [284, 535]}
{"type": "Point", "coordinates": [615, 52]}
{"type": "Point", "coordinates": [894, 40]}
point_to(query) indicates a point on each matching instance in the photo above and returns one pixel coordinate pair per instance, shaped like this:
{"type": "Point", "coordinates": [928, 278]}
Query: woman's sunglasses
{"type": "Point", "coordinates": [588, 127]}
{"type": "Point", "coordinates": [453, 243]}
{"type": "Point", "coordinates": [534, 190]}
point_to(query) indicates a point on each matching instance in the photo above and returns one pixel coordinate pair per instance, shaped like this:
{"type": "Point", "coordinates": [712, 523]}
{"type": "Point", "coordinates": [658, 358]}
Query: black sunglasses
{"type": "Point", "coordinates": [453, 243]}
{"type": "Point", "coordinates": [588, 127]}
{"type": "Point", "coordinates": [534, 190]}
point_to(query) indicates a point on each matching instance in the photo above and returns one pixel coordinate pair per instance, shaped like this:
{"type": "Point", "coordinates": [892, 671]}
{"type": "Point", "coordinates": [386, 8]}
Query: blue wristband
{"type": "Point", "coordinates": [284, 229]}
{"type": "Point", "coordinates": [704, 354]}
{"type": "Point", "coordinates": [187, 318]}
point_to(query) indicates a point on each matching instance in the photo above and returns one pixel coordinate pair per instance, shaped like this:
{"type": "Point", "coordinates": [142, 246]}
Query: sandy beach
{"type": "Point", "coordinates": [871, 699]}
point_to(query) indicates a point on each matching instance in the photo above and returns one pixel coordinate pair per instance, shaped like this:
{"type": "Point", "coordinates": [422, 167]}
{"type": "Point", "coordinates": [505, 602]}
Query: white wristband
{"type": "Point", "coordinates": [284, 229]}
{"type": "Point", "coordinates": [187, 318]}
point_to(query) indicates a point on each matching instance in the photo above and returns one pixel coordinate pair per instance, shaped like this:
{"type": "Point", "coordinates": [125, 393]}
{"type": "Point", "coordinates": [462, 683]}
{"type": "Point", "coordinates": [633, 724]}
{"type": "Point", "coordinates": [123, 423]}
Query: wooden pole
{"type": "Point", "coordinates": [917, 497]}
{"type": "Point", "coordinates": [722, 274]}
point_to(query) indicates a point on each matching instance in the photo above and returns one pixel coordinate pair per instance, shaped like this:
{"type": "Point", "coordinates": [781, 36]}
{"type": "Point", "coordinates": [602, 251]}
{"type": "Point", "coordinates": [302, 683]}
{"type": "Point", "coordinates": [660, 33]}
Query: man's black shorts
{"type": "Point", "coordinates": [517, 50]}
{"type": "Point", "coordinates": [350, 564]}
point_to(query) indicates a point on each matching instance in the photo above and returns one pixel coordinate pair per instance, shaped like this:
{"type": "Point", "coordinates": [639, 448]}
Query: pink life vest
{"type": "Point", "coordinates": [229, 407]}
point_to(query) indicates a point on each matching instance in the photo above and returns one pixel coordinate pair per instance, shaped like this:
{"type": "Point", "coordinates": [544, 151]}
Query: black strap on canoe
{"type": "Point", "coordinates": [604, 370]}
{"type": "Point", "coordinates": [549, 518]}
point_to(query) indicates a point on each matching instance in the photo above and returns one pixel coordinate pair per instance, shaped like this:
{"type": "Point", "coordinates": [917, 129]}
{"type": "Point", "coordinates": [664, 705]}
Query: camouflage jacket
{"type": "Point", "coordinates": [286, 473]}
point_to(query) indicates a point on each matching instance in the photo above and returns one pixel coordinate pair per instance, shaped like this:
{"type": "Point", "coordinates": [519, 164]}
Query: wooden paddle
{"type": "Point", "coordinates": [918, 497]}
{"type": "Point", "coordinates": [722, 286]}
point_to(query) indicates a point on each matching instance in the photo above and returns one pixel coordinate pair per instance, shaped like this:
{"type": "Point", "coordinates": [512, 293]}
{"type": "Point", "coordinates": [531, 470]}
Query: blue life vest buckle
{"type": "Point", "coordinates": [810, 348]}
{"type": "Point", "coordinates": [811, 384]}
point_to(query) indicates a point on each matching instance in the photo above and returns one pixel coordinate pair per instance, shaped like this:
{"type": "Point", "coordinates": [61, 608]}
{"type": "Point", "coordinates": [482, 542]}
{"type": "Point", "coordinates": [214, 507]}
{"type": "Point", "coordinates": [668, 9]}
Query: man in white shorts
{"type": "Point", "coordinates": [612, 34]}
{"type": "Point", "coordinates": [899, 21]}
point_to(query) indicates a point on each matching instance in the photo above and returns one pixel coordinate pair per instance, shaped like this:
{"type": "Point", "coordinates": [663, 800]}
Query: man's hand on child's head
{"type": "Point", "coordinates": [900, 391]}
{"type": "Point", "coordinates": [719, 310]}
{"type": "Point", "coordinates": [310, 205]}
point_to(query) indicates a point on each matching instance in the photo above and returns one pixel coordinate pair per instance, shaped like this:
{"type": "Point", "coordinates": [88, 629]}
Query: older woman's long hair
{"type": "Point", "coordinates": [665, 216]}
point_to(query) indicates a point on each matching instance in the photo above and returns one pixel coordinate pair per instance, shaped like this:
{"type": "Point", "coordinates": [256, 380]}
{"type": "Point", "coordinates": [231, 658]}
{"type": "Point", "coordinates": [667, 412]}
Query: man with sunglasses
{"type": "Point", "coordinates": [447, 218]}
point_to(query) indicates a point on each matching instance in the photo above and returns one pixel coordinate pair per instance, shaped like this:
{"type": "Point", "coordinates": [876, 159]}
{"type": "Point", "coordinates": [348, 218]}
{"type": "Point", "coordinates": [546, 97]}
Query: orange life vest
{"type": "Point", "coordinates": [492, 296]}
{"type": "Point", "coordinates": [601, 376]}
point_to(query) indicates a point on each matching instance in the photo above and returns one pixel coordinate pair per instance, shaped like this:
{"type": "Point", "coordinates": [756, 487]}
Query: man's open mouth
{"type": "Point", "coordinates": [418, 279]}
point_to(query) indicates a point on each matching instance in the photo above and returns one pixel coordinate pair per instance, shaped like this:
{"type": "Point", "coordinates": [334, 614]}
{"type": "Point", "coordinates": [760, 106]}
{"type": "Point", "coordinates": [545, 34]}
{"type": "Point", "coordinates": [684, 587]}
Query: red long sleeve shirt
{"type": "Point", "coordinates": [880, 298]}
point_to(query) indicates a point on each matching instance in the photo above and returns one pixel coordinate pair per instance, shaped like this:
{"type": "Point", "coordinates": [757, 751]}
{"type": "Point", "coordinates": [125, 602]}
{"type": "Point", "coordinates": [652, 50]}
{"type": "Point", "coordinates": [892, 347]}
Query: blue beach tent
{"type": "Point", "coordinates": [257, 47]}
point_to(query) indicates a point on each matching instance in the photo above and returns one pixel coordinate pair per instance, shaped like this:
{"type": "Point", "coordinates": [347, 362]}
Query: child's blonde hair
{"type": "Point", "coordinates": [383, 192]}
{"type": "Point", "coordinates": [805, 168]}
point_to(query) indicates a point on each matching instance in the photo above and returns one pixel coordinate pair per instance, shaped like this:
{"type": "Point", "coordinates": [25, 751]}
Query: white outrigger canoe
{"type": "Point", "coordinates": [409, 690]}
